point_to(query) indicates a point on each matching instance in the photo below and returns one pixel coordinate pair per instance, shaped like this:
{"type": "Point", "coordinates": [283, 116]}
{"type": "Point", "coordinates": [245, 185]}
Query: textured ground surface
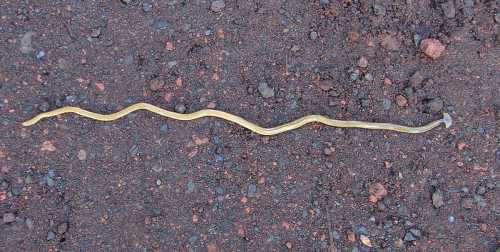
{"type": "Point", "coordinates": [148, 183]}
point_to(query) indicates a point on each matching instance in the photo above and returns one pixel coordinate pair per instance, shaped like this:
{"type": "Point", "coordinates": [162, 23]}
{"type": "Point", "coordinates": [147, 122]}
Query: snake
{"type": "Point", "coordinates": [446, 119]}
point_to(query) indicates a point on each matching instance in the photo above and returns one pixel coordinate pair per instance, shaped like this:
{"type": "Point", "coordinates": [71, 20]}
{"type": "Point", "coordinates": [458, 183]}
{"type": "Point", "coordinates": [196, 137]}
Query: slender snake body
{"type": "Point", "coordinates": [446, 120]}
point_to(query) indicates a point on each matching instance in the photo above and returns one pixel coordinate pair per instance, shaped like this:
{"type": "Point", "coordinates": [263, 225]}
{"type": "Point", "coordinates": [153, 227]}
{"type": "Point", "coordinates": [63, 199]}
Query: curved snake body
{"type": "Point", "coordinates": [446, 120]}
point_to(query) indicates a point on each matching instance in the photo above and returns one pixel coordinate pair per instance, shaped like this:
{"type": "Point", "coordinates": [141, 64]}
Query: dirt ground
{"type": "Point", "coordinates": [146, 183]}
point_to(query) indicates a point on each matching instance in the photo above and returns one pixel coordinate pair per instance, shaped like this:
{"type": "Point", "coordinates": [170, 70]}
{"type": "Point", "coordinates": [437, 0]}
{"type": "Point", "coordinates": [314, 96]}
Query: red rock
{"type": "Point", "coordinates": [47, 146]}
{"type": "Point", "coordinates": [432, 48]}
{"type": "Point", "coordinates": [169, 46]}
{"type": "Point", "coordinates": [99, 86]}
{"type": "Point", "coordinates": [401, 101]}
{"type": "Point", "coordinates": [377, 192]}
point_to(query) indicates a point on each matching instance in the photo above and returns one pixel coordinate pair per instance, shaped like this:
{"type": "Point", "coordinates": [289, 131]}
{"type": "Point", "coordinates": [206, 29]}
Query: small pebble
{"type": "Point", "coordinates": [364, 102]}
{"type": "Point", "coordinates": [95, 33]}
{"type": "Point", "coordinates": [252, 190]}
{"type": "Point", "coordinates": [448, 9]}
{"type": "Point", "coordinates": [156, 84]}
{"type": "Point", "coordinates": [158, 182]}
{"type": "Point", "coordinates": [327, 151]}
{"type": "Point", "coordinates": [295, 48]}
{"type": "Point", "coordinates": [180, 108]}
{"type": "Point", "coordinates": [324, 3]}
{"type": "Point", "coordinates": [172, 63]}
{"type": "Point", "coordinates": [481, 190]}
{"type": "Point", "coordinates": [335, 235]}
{"type": "Point", "coordinates": [28, 179]}
{"type": "Point", "coordinates": [313, 35]}
{"type": "Point", "coordinates": [147, 7]}
{"type": "Point", "coordinates": [386, 104]}
{"type": "Point", "coordinates": [44, 106]}
{"type": "Point", "coordinates": [432, 48]}
{"type": "Point", "coordinates": [363, 62]}
{"type": "Point", "coordinates": [416, 232]}
{"type": "Point", "coordinates": [379, 9]}
{"type": "Point", "coordinates": [361, 230]}
{"type": "Point", "coordinates": [62, 228]}
{"type": "Point", "coordinates": [29, 223]}
{"type": "Point", "coordinates": [9, 217]}
{"type": "Point", "coordinates": [164, 129]}
{"type": "Point", "coordinates": [401, 101]}
{"type": "Point", "coordinates": [82, 155]}
{"type": "Point", "coordinates": [190, 187]}
{"type": "Point", "coordinates": [26, 40]}
{"type": "Point", "coordinates": [50, 181]}
{"type": "Point", "coordinates": [467, 203]}
{"type": "Point", "coordinates": [409, 237]}
{"type": "Point", "coordinates": [434, 105]}
{"type": "Point", "coordinates": [490, 185]}
{"type": "Point", "coordinates": [40, 55]}
{"type": "Point", "coordinates": [51, 236]}
{"type": "Point", "coordinates": [217, 6]}
{"type": "Point", "coordinates": [437, 199]}
{"type": "Point", "coordinates": [416, 79]}
{"type": "Point", "coordinates": [265, 90]}
{"type": "Point", "coordinates": [160, 24]}
{"type": "Point", "coordinates": [70, 99]}
{"type": "Point", "coordinates": [451, 219]}
{"type": "Point", "coordinates": [355, 75]}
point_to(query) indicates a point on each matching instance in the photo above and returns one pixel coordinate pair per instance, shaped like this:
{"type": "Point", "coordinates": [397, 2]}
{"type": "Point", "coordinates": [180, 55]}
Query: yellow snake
{"type": "Point", "coordinates": [446, 120]}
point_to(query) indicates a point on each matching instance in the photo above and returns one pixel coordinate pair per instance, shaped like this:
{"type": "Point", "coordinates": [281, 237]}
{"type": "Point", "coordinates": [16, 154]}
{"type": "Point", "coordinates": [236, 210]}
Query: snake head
{"type": "Point", "coordinates": [447, 120]}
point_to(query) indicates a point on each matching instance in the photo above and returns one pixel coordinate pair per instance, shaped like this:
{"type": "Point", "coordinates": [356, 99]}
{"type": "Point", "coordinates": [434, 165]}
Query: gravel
{"type": "Point", "coordinates": [265, 90]}
{"type": "Point", "coordinates": [180, 108]}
